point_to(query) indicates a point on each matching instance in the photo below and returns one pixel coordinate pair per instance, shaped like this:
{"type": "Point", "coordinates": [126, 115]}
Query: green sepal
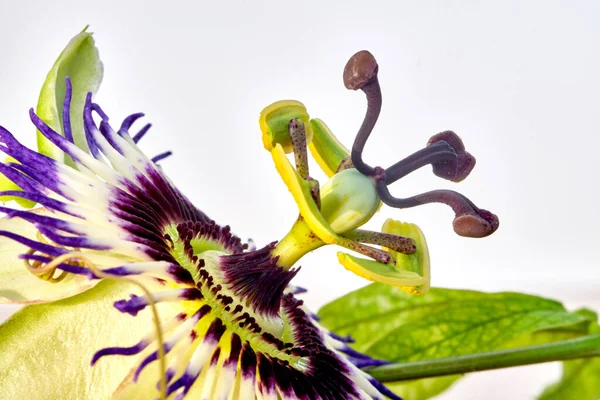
{"type": "Point", "coordinates": [274, 121]}
{"type": "Point", "coordinates": [375, 271]}
{"type": "Point", "coordinates": [79, 61]}
{"type": "Point", "coordinates": [325, 148]}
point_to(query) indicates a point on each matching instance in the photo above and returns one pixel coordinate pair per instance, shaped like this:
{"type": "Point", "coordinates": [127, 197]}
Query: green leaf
{"type": "Point", "coordinates": [422, 388]}
{"type": "Point", "coordinates": [580, 379]}
{"type": "Point", "coordinates": [389, 324]}
{"type": "Point", "coordinates": [79, 61]}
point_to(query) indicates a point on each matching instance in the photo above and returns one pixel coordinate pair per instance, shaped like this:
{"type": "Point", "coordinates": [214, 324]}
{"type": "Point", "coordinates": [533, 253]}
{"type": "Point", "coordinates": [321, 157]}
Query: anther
{"type": "Point", "coordinates": [400, 244]}
{"type": "Point", "coordinates": [298, 138]}
{"type": "Point", "coordinates": [361, 73]}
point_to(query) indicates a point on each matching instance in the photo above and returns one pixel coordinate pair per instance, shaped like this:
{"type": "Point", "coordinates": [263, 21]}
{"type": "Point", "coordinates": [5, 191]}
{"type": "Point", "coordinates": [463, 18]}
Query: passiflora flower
{"type": "Point", "coordinates": [207, 316]}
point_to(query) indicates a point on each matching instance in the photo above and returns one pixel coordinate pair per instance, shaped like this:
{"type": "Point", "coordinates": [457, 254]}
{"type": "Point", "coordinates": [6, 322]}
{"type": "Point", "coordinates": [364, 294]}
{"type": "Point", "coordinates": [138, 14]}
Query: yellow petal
{"type": "Point", "coordinates": [378, 272]}
{"type": "Point", "coordinates": [300, 190]}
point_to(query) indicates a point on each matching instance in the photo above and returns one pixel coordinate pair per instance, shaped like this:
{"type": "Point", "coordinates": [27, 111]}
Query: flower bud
{"type": "Point", "coordinates": [348, 200]}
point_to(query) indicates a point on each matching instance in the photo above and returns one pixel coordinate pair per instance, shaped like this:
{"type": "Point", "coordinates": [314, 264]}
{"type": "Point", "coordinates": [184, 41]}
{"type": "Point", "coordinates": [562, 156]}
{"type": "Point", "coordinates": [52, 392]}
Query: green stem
{"type": "Point", "coordinates": [584, 347]}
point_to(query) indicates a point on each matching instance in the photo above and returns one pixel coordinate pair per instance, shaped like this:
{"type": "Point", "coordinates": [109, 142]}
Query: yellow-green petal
{"type": "Point", "coordinates": [45, 349]}
{"type": "Point", "coordinates": [375, 271]}
{"type": "Point", "coordinates": [418, 261]}
{"type": "Point", "coordinates": [79, 61]}
{"type": "Point", "coordinates": [17, 284]}
{"type": "Point", "coordinates": [410, 273]}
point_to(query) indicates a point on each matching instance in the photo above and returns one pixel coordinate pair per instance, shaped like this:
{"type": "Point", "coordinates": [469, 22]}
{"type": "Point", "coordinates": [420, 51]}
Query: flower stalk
{"type": "Point", "coordinates": [583, 347]}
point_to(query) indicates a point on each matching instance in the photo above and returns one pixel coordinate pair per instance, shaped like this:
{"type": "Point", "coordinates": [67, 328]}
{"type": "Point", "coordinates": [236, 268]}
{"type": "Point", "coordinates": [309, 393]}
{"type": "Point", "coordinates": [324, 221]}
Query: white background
{"type": "Point", "coordinates": [519, 81]}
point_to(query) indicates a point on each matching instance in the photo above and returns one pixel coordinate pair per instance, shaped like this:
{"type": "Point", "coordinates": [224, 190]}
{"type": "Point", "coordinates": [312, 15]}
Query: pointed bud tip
{"type": "Point", "coordinates": [360, 69]}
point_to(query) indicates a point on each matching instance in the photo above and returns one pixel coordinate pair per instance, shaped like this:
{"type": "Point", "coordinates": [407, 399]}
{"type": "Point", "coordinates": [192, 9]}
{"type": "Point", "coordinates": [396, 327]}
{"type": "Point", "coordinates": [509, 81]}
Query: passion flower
{"type": "Point", "coordinates": [226, 320]}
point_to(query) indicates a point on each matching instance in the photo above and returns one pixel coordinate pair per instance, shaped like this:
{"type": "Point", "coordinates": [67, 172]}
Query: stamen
{"type": "Point", "coordinates": [361, 73]}
{"type": "Point", "coordinates": [401, 244]}
{"type": "Point", "coordinates": [372, 252]}
{"type": "Point", "coordinates": [470, 221]}
{"type": "Point", "coordinates": [298, 137]}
